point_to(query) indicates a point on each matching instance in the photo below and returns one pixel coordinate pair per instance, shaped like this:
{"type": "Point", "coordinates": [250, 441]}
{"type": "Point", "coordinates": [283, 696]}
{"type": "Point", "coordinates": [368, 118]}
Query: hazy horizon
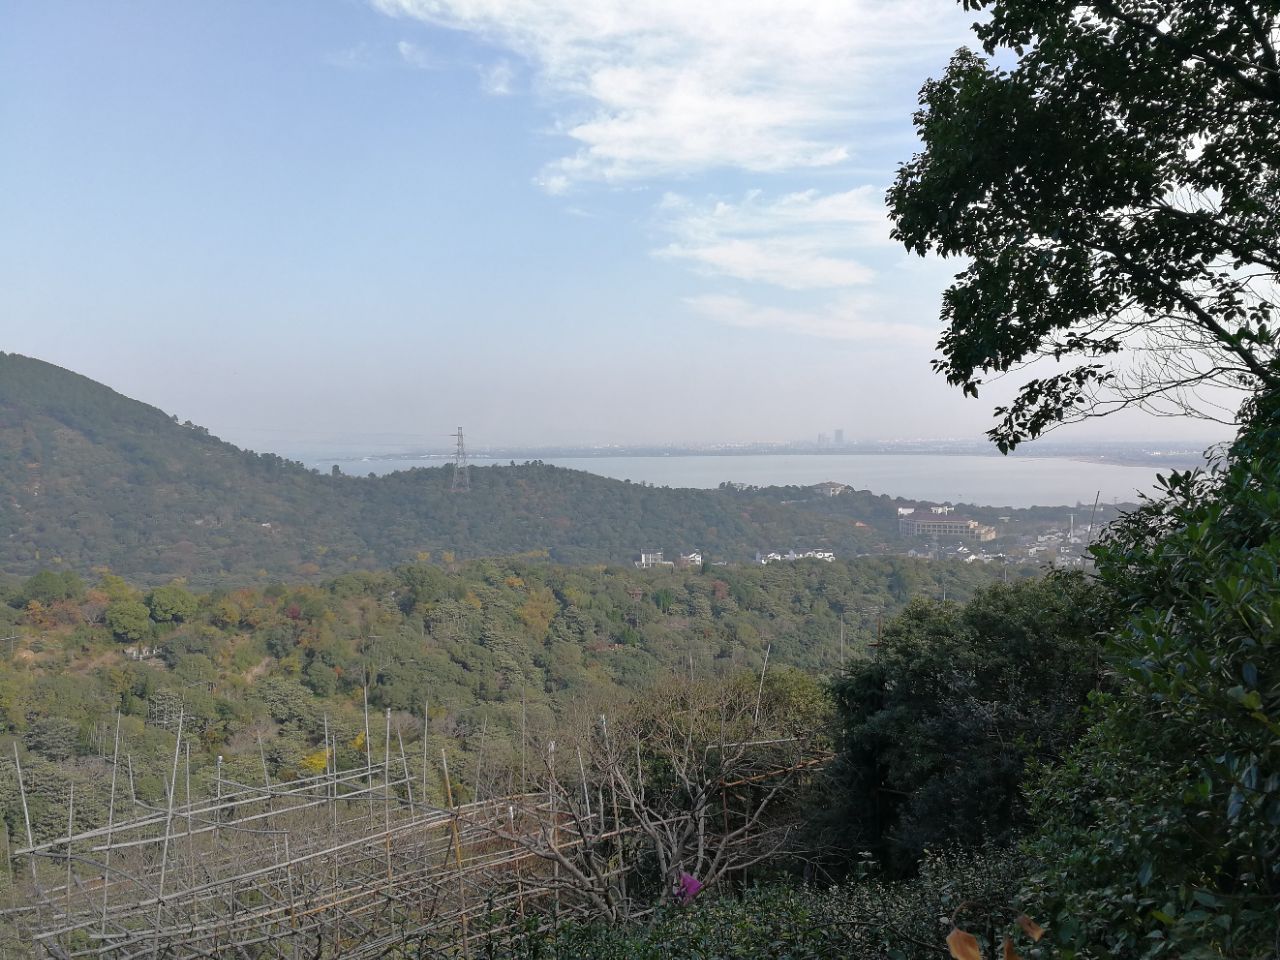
{"type": "Point", "coordinates": [304, 225]}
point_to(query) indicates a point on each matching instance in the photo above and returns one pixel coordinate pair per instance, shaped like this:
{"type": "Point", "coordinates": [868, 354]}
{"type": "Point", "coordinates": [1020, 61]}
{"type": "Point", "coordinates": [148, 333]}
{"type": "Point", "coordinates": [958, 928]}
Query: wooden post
{"type": "Point", "coordinates": [524, 744]}
{"type": "Point", "coordinates": [555, 831]}
{"type": "Point", "coordinates": [368, 750]}
{"type": "Point", "coordinates": [760, 692]}
{"type": "Point", "coordinates": [408, 780]}
{"type": "Point", "coordinates": [293, 902]}
{"type": "Point", "coordinates": [266, 784]}
{"type": "Point", "coordinates": [457, 854]}
{"type": "Point", "coordinates": [484, 730]}
{"type": "Point", "coordinates": [71, 829]}
{"type": "Point", "coordinates": [426, 724]}
{"type": "Point", "coordinates": [111, 823]}
{"type": "Point", "coordinates": [217, 792]}
{"type": "Point", "coordinates": [266, 776]}
{"type": "Point", "coordinates": [168, 825]}
{"type": "Point", "coordinates": [191, 850]}
{"type": "Point", "coordinates": [515, 848]}
{"type": "Point", "coordinates": [386, 791]}
{"type": "Point", "coordinates": [26, 814]}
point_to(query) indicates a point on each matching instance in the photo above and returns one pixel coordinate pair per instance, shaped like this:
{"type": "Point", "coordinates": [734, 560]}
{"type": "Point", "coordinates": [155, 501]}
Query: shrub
{"type": "Point", "coordinates": [1161, 830]}
{"type": "Point", "coordinates": [939, 726]}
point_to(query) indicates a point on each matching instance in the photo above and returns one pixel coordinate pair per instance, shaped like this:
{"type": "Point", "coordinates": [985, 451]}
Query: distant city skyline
{"type": "Point", "coordinates": [305, 224]}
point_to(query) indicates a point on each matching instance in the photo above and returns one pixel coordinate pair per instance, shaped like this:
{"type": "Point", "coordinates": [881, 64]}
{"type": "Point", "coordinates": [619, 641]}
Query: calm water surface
{"type": "Point", "coordinates": [991, 481]}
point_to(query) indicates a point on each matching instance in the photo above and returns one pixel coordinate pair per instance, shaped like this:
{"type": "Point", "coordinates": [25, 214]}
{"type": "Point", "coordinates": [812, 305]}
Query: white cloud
{"type": "Point", "coordinates": [653, 88]}
{"type": "Point", "coordinates": [846, 318]}
{"type": "Point", "coordinates": [496, 78]}
{"type": "Point", "coordinates": [800, 241]}
{"type": "Point", "coordinates": [783, 262]}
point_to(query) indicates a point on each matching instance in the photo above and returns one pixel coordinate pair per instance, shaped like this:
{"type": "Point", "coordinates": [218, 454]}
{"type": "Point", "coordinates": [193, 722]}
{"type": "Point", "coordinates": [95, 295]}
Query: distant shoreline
{"type": "Point", "coordinates": [1174, 460]}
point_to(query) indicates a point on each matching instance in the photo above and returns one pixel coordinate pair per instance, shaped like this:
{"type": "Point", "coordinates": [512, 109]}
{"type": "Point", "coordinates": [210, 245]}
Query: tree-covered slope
{"type": "Point", "coordinates": [90, 478]}
{"type": "Point", "coordinates": [263, 672]}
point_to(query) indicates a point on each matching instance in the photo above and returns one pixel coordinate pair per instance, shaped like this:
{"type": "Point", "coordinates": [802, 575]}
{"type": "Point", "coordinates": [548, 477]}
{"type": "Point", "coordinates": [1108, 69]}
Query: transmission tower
{"type": "Point", "coordinates": [461, 476]}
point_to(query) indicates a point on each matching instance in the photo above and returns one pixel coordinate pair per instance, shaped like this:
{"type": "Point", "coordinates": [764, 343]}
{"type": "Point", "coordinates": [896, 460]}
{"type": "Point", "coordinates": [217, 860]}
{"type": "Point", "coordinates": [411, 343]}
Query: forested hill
{"type": "Point", "coordinates": [91, 478]}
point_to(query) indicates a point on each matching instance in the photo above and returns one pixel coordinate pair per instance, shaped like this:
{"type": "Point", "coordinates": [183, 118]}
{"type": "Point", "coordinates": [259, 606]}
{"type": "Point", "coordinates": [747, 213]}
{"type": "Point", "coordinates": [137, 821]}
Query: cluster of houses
{"type": "Point", "coordinates": [1052, 546]}
{"type": "Point", "coordinates": [949, 536]}
{"type": "Point", "coordinates": [1062, 548]}
{"type": "Point", "coordinates": [958, 551]}
{"type": "Point", "coordinates": [648, 561]}
{"type": "Point", "coordinates": [792, 555]}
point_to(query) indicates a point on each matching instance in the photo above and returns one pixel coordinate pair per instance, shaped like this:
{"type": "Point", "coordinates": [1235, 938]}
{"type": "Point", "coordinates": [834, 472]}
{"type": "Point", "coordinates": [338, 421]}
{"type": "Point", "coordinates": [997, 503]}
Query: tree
{"type": "Point", "coordinates": [939, 727]}
{"type": "Point", "coordinates": [1159, 832]}
{"type": "Point", "coordinates": [698, 776]}
{"type": "Point", "coordinates": [129, 620]}
{"type": "Point", "coordinates": [171, 603]}
{"type": "Point", "coordinates": [47, 587]}
{"type": "Point", "coordinates": [1117, 194]}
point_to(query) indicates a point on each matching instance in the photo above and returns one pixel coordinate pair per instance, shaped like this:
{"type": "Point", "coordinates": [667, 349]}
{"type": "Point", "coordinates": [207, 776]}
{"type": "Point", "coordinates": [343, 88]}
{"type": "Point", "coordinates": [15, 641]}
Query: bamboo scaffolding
{"type": "Point", "coordinates": [291, 868]}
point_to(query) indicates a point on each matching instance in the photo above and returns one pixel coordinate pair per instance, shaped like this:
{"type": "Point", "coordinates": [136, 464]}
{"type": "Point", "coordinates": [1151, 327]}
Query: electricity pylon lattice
{"type": "Point", "coordinates": [461, 476]}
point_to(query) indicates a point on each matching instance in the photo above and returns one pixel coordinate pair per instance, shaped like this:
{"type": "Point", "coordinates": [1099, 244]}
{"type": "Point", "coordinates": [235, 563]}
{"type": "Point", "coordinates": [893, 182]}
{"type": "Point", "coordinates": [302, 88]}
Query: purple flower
{"type": "Point", "coordinates": [687, 888]}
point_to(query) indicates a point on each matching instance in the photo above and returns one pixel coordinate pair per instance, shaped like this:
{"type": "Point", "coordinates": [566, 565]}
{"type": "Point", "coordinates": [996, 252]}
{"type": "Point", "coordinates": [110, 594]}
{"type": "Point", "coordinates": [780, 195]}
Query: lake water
{"type": "Point", "coordinates": [1017, 481]}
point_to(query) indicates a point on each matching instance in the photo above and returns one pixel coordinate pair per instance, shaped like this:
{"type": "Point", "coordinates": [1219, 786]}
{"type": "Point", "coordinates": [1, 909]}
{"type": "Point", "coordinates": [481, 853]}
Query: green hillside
{"type": "Point", "coordinates": [91, 478]}
{"type": "Point", "coordinates": [482, 641]}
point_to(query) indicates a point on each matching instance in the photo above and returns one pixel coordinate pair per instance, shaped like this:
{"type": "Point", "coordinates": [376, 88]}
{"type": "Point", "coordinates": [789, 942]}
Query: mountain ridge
{"type": "Point", "coordinates": [90, 477]}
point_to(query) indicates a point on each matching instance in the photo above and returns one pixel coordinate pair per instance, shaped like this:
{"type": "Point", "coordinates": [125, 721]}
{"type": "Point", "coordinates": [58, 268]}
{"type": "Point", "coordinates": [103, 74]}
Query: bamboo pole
{"type": "Point", "coordinates": [368, 749]}
{"type": "Point", "coordinates": [386, 790]}
{"type": "Point", "coordinates": [168, 823]}
{"type": "Point", "coordinates": [71, 829]}
{"type": "Point", "coordinates": [191, 850]}
{"type": "Point", "coordinates": [484, 729]}
{"type": "Point", "coordinates": [328, 886]}
{"type": "Point", "coordinates": [26, 814]}
{"type": "Point", "coordinates": [426, 722]}
{"type": "Point", "coordinates": [404, 767]}
{"type": "Point", "coordinates": [760, 691]}
{"type": "Point", "coordinates": [457, 852]}
{"type": "Point", "coordinates": [555, 826]}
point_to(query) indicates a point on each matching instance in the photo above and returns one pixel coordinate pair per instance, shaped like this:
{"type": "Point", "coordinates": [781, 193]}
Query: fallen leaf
{"type": "Point", "coordinates": [963, 946]}
{"type": "Point", "coordinates": [1030, 927]}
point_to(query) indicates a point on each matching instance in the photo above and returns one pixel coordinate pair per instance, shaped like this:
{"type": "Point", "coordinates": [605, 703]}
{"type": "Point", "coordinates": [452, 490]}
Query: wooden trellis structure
{"type": "Point", "coordinates": [347, 863]}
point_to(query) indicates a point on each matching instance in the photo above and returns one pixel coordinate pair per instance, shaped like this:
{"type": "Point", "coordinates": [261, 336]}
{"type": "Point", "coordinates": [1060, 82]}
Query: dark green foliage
{"type": "Point", "coordinates": [55, 738]}
{"type": "Point", "coordinates": [867, 917]}
{"type": "Point", "coordinates": [1162, 829]}
{"type": "Point", "coordinates": [129, 620]}
{"type": "Point", "coordinates": [171, 603]}
{"type": "Point", "coordinates": [47, 587]}
{"type": "Point", "coordinates": [939, 725]}
{"type": "Point", "coordinates": [1117, 187]}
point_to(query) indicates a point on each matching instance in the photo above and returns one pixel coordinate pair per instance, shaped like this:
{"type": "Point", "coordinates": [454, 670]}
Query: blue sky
{"type": "Point", "coordinates": [354, 224]}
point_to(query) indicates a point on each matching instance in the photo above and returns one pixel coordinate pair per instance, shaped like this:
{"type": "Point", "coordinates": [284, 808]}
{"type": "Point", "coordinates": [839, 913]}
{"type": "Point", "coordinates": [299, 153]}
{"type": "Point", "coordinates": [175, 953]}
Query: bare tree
{"type": "Point", "coordinates": [695, 778]}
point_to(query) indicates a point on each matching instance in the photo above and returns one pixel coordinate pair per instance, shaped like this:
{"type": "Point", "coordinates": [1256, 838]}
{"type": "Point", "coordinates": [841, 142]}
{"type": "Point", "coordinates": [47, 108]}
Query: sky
{"type": "Point", "coordinates": [352, 225]}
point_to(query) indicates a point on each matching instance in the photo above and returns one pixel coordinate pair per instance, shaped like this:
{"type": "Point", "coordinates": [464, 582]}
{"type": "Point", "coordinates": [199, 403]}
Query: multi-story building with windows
{"type": "Point", "coordinates": [921, 524]}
